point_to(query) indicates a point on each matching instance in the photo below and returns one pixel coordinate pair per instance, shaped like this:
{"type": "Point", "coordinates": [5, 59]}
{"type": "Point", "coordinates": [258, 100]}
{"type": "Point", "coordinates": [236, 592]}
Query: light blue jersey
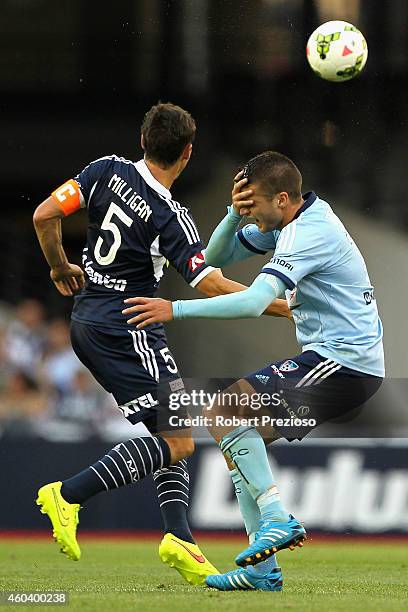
{"type": "Point", "coordinates": [329, 290]}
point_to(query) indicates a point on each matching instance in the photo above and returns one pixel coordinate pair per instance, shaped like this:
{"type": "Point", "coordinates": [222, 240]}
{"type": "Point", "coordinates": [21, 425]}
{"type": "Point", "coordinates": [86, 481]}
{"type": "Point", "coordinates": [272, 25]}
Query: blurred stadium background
{"type": "Point", "coordinates": [76, 79]}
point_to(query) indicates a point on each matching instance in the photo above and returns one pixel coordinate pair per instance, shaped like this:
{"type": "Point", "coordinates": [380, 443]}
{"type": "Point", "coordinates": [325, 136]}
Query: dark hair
{"type": "Point", "coordinates": [275, 173]}
{"type": "Point", "coordinates": [166, 130]}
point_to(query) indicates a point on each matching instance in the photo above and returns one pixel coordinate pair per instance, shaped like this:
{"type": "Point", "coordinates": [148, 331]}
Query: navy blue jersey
{"type": "Point", "coordinates": [134, 228]}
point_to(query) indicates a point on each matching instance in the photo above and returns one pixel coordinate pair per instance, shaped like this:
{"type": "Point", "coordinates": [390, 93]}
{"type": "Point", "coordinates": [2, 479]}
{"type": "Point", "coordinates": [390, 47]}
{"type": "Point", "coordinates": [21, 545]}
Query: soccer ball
{"type": "Point", "coordinates": [337, 51]}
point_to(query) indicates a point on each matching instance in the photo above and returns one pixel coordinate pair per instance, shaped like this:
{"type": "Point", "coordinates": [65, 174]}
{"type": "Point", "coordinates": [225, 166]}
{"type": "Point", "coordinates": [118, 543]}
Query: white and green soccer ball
{"type": "Point", "coordinates": [337, 51]}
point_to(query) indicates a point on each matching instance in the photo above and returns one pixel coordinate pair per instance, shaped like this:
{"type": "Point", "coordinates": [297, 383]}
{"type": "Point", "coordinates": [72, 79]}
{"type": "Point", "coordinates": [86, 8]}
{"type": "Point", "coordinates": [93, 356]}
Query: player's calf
{"type": "Point", "coordinates": [124, 464]}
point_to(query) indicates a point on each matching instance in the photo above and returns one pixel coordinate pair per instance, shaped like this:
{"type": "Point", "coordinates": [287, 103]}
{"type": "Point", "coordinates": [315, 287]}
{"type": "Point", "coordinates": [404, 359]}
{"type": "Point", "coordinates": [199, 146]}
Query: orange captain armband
{"type": "Point", "coordinates": [69, 197]}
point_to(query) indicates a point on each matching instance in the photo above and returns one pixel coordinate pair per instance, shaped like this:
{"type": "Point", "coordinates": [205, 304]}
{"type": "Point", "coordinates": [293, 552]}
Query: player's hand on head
{"type": "Point", "coordinates": [148, 311]}
{"type": "Point", "coordinates": [241, 195]}
{"type": "Point", "coordinates": [68, 278]}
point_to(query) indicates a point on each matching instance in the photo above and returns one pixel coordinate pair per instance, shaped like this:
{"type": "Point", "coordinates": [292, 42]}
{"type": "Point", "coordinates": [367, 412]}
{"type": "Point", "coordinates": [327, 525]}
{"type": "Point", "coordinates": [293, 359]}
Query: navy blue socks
{"type": "Point", "coordinates": [127, 462]}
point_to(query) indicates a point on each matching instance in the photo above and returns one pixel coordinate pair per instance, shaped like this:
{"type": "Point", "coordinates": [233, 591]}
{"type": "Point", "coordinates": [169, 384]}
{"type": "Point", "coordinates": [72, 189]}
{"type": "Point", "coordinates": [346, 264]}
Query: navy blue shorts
{"type": "Point", "coordinates": [136, 366]}
{"type": "Point", "coordinates": [308, 390]}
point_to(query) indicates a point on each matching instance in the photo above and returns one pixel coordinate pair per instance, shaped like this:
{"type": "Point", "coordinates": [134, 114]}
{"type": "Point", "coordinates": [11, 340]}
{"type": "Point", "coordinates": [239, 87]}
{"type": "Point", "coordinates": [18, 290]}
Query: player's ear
{"type": "Point", "coordinates": [142, 142]}
{"type": "Point", "coordinates": [283, 199]}
{"type": "Point", "coordinates": [188, 149]}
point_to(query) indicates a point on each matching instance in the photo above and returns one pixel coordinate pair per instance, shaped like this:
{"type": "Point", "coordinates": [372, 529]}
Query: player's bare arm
{"type": "Point", "coordinates": [154, 310]}
{"type": "Point", "coordinates": [250, 303]}
{"type": "Point", "coordinates": [68, 278]}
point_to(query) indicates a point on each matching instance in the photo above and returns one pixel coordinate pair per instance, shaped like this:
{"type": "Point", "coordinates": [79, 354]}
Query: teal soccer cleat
{"type": "Point", "coordinates": [246, 580]}
{"type": "Point", "coordinates": [271, 537]}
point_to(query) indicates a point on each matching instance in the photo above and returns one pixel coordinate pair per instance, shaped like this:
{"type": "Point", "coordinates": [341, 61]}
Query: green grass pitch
{"type": "Point", "coordinates": [128, 575]}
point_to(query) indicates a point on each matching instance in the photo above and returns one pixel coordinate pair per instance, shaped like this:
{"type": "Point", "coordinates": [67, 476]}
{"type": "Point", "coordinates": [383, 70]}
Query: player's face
{"type": "Point", "coordinates": [266, 209]}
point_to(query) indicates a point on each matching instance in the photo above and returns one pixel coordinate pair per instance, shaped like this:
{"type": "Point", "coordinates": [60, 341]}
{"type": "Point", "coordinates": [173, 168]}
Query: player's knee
{"type": "Point", "coordinates": [189, 447]}
{"type": "Point", "coordinates": [180, 448]}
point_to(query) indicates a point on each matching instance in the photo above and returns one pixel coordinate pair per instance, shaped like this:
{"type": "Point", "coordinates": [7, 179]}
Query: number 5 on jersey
{"type": "Point", "coordinates": [168, 358]}
{"type": "Point", "coordinates": [109, 225]}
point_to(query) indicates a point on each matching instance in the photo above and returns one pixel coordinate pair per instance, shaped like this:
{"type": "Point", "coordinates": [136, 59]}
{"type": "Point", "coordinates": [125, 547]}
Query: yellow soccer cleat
{"type": "Point", "coordinates": [63, 516]}
{"type": "Point", "coordinates": [186, 558]}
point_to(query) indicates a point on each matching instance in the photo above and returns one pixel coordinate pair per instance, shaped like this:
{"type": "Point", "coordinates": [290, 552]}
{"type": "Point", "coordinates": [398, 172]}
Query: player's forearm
{"type": "Point", "coordinates": [49, 236]}
{"type": "Point", "coordinates": [278, 308]}
{"type": "Point", "coordinates": [215, 283]}
{"type": "Point", "coordinates": [222, 244]}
